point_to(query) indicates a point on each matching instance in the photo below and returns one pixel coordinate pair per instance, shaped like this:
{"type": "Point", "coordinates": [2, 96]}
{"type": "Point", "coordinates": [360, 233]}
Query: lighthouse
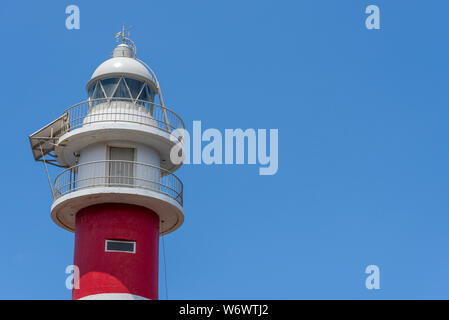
{"type": "Point", "coordinates": [117, 190]}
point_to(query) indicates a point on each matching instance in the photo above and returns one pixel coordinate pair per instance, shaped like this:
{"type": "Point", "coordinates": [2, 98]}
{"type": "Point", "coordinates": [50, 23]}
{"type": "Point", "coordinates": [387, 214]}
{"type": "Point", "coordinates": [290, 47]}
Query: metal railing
{"type": "Point", "coordinates": [117, 173]}
{"type": "Point", "coordinates": [122, 110]}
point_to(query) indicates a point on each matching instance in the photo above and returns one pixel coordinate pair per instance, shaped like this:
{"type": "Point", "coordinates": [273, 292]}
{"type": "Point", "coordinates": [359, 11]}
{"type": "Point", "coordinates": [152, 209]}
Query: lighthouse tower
{"type": "Point", "coordinates": [117, 192]}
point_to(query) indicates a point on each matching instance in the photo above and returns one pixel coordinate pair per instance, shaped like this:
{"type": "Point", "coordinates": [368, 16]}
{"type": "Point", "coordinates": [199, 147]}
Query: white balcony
{"type": "Point", "coordinates": [109, 119]}
{"type": "Point", "coordinates": [117, 181]}
{"type": "Point", "coordinates": [122, 110]}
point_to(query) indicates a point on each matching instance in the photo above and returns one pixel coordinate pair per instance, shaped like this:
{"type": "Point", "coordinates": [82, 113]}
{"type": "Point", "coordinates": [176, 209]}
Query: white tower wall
{"type": "Point", "coordinates": [95, 167]}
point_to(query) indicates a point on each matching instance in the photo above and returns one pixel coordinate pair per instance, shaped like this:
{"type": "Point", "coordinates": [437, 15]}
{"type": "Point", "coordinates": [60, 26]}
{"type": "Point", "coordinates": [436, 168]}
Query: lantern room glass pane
{"type": "Point", "coordinates": [98, 93]}
{"type": "Point", "coordinates": [91, 90]}
{"type": "Point", "coordinates": [151, 93]}
{"type": "Point", "coordinates": [122, 91]}
{"type": "Point", "coordinates": [144, 95]}
{"type": "Point", "coordinates": [135, 86]}
{"type": "Point", "coordinates": [109, 85]}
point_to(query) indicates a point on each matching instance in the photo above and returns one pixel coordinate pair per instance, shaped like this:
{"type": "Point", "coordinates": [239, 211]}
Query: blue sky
{"type": "Point", "coordinates": [363, 125]}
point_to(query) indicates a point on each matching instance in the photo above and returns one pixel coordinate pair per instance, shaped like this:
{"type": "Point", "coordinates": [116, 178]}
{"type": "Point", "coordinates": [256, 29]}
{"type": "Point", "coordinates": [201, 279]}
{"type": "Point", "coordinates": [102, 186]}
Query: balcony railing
{"type": "Point", "coordinates": [115, 173]}
{"type": "Point", "coordinates": [122, 110]}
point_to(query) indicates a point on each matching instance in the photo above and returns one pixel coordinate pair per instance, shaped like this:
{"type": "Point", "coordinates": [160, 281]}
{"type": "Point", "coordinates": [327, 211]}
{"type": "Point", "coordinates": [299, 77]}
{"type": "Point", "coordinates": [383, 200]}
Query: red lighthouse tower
{"type": "Point", "coordinates": [118, 193]}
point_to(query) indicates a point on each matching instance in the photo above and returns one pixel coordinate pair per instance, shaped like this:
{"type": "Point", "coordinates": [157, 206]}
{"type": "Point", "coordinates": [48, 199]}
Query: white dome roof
{"type": "Point", "coordinates": [124, 66]}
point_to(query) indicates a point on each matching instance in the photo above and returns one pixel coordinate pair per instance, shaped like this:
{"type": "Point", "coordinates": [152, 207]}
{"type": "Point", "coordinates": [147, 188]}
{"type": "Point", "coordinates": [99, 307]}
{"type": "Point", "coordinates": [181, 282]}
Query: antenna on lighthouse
{"type": "Point", "coordinates": [123, 36]}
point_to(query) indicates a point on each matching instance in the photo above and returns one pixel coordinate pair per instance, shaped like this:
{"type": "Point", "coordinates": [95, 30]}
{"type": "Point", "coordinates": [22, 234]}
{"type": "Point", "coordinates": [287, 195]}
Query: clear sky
{"type": "Point", "coordinates": [363, 123]}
